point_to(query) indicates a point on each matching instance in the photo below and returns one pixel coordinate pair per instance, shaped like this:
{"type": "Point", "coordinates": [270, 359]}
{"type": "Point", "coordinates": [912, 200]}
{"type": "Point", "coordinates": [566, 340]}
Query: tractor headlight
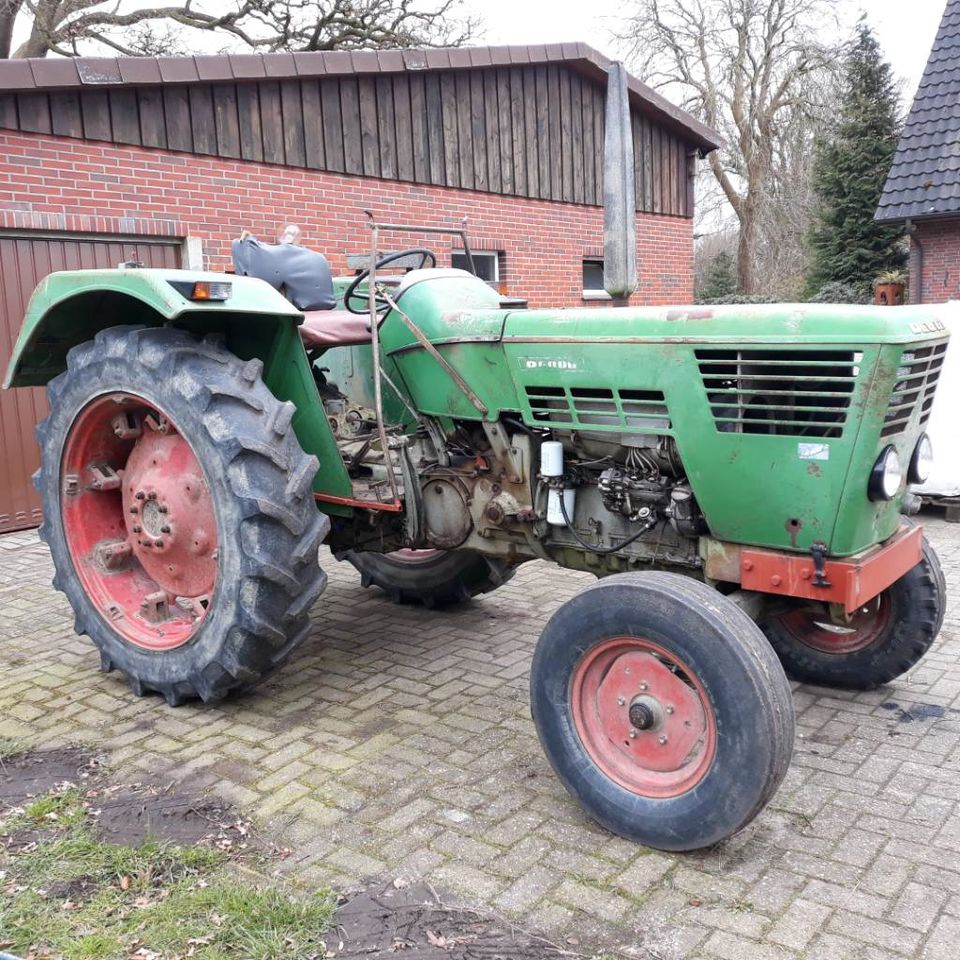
{"type": "Point", "coordinates": [921, 463]}
{"type": "Point", "coordinates": [886, 476]}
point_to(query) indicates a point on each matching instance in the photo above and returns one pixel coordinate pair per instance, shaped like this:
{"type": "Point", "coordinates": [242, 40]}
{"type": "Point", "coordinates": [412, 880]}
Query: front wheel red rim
{"type": "Point", "coordinates": [643, 717]}
{"type": "Point", "coordinates": [139, 521]}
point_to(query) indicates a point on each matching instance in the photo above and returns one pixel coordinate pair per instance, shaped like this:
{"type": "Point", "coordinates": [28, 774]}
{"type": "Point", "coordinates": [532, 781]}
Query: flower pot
{"type": "Point", "coordinates": [888, 294]}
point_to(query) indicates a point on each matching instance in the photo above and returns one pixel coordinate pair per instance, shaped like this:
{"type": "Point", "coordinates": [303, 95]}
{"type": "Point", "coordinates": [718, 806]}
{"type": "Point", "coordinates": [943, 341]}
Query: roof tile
{"type": "Point", "coordinates": [460, 57]}
{"type": "Point", "coordinates": [338, 61]}
{"type": "Point", "coordinates": [247, 66]}
{"type": "Point", "coordinates": [176, 69]}
{"type": "Point", "coordinates": [437, 58]}
{"type": "Point", "coordinates": [310, 63]}
{"type": "Point", "coordinates": [415, 59]}
{"type": "Point", "coordinates": [365, 61]}
{"type": "Point", "coordinates": [139, 69]}
{"type": "Point", "coordinates": [99, 70]}
{"type": "Point", "coordinates": [55, 72]}
{"type": "Point", "coordinates": [16, 75]}
{"type": "Point", "coordinates": [213, 68]}
{"type": "Point", "coordinates": [391, 61]}
{"type": "Point", "coordinates": [279, 65]}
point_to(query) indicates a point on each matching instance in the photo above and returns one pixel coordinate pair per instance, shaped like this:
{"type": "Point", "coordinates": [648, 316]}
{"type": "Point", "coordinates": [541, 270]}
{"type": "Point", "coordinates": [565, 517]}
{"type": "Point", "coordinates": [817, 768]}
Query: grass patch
{"type": "Point", "coordinates": [69, 895]}
{"type": "Point", "coordinates": [11, 747]}
{"type": "Point", "coordinates": [64, 808]}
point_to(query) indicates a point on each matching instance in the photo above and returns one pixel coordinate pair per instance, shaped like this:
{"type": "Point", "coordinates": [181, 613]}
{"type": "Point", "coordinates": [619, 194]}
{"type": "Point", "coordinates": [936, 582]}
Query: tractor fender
{"type": "Point", "coordinates": [70, 307]}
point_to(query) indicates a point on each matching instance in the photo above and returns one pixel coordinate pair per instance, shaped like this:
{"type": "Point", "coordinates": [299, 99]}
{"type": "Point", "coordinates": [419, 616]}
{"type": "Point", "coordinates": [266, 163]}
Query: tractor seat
{"type": "Point", "coordinates": [334, 328]}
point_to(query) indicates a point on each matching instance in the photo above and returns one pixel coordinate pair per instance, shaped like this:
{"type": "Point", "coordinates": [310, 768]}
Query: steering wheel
{"type": "Point", "coordinates": [351, 295]}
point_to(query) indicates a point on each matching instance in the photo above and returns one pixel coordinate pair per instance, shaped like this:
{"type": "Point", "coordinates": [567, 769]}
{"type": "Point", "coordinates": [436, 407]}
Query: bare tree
{"type": "Point", "coordinates": [743, 67]}
{"type": "Point", "coordinates": [69, 27]}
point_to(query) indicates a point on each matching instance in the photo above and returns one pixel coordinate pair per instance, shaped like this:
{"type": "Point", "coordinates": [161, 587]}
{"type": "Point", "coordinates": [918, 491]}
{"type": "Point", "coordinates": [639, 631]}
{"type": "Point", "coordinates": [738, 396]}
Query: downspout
{"type": "Point", "coordinates": [916, 288]}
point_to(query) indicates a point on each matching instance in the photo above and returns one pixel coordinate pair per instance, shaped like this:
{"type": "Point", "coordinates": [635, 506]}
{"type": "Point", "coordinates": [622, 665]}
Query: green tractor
{"type": "Point", "coordinates": [734, 476]}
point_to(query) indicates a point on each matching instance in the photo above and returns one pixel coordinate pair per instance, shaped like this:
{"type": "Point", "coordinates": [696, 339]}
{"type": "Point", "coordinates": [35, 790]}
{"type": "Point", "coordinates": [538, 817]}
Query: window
{"type": "Point", "coordinates": [593, 279]}
{"type": "Point", "coordinates": [487, 264]}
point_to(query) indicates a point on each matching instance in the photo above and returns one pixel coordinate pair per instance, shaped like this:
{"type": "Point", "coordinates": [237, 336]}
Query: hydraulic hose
{"type": "Point", "coordinates": [600, 550]}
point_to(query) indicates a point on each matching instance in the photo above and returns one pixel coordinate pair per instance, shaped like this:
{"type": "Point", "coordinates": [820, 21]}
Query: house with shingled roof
{"type": "Point", "coordinates": [923, 187]}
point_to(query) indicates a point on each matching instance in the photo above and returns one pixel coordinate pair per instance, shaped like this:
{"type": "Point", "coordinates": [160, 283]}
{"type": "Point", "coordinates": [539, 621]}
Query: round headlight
{"type": "Point", "coordinates": [921, 463]}
{"type": "Point", "coordinates": [886, 476]}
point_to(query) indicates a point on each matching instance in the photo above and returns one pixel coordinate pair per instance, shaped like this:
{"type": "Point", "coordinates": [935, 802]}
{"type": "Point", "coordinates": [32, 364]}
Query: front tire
{"type": "Point", "coordinates": [663, 709]}
{"type": "Point", "coordinates": [431, 578]}
{"type": "Point", "coordinates": [179, 512]}
{"type": "Point", "coordinates": [883, 640]}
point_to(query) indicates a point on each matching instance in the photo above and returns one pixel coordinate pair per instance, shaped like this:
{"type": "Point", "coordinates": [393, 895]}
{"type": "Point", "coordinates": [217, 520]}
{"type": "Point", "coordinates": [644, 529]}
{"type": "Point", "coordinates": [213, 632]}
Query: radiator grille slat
{"type": "Point", "coordinates": [599, 408]}
{"type": "Point", "coordinates": [804, 393]}
{"type": "Point", "coordinates": [917, 376]}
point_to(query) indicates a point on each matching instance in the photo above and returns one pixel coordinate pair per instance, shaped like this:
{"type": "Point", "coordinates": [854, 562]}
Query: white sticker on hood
{"type": "Point", "coordinates": [813, 451]}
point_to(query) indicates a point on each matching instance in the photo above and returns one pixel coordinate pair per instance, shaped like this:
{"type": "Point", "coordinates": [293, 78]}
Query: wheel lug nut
{"type": "Point", "coordinates": [158, 543]}
{"type": "Point", "coordinates": [141, 495]}
{"type": "Point", "coordinates": [661, 740]}
{"type": "Point", "coordinates": [137, 528]}
{"type": "Point", "coordinates": [162, 507]}
{"type": "Point", "coordinates": [164, 529]}
{"type": "Point", "coordinates": [621, 700]}
{"type": "Point", "coordinates": [152, 495]}
{"type": "Point", "coordinates": [134, 509]}
{"type": "Point", "coordinates": [633, 734]}
{"type": "Point", "coordinates": [669, 709]}
{"type": "Point", "coordinates": [644, 686]}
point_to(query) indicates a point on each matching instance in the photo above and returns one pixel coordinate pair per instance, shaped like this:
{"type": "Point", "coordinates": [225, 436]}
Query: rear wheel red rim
{"type": "Point", "coordinates": [643, 717]}
{"type": "Point", "coordinates": [814, 628]}
{"type": "Point", "coordinates": [139, 521]}
{"type": "Point", "coordinates": [414, 557]}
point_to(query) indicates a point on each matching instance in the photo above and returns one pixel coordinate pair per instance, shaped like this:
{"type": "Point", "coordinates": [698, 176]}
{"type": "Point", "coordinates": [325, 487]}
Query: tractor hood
{"type": "Point", "coordinates": [755, 323]}
{"type": "Point", "coordinates": [779, 412]}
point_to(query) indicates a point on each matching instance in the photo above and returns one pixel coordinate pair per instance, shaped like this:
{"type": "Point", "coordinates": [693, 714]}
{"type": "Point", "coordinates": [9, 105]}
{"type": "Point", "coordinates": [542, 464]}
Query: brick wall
{"type": "Point", "coordinates": [940, 241]}
{"type": "Point", "coordinates": [59, 181]}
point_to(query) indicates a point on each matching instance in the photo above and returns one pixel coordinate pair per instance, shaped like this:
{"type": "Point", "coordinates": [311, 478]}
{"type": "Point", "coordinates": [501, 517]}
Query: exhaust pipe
{"type": "Point", "coordinates": [619, 191]}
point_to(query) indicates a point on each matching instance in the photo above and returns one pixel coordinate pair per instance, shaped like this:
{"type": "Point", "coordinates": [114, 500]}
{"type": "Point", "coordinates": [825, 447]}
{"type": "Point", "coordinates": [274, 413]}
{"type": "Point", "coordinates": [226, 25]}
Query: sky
{"type": "Point", "coordinates": [906, 37]}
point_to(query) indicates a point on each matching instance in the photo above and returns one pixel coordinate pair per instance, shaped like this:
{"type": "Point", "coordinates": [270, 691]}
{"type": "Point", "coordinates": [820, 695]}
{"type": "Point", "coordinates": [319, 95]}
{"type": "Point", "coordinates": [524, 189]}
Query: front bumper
{"type": "Point", "coordinates": [852, 581]}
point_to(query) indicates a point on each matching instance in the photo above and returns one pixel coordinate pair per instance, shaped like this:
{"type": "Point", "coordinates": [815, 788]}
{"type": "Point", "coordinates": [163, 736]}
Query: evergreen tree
{"type": "Point", "coordinates": [852, 164]}
{"type": "Point", "coordinates": [721, 278]}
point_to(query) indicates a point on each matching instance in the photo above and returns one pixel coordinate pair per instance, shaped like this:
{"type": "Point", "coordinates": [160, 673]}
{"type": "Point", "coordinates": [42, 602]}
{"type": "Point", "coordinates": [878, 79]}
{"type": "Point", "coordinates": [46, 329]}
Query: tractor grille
{"type": "Point", "coordinates": [917, 377]}
{"type": "Point", "coordinates": [599, 408]}
{"type": "Point", "coordinates": [802, 393]}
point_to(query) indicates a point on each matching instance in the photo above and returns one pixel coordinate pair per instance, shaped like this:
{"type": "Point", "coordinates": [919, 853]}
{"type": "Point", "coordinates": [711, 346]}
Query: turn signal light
{"type": "Point", "coordinates": [210, 290]}
{"type": "Point", "coordinates": [215, 290]}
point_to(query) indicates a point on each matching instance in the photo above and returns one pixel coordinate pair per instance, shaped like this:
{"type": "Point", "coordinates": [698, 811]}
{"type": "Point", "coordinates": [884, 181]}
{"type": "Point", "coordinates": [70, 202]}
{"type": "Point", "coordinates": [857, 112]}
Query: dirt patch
{"type": "Point", "coordinates": [30, 775]}
{"type": "Point", "coordinates": [387, 920]}
{"type": "Point", "coordinates": [132, 814]}
{"type": "Point", "coordinates": [76, 890]}
{"type": "Point", "coordinates": [127, 814]}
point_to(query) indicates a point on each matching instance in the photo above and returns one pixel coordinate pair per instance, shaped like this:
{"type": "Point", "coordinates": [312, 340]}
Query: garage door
{"type": "Point", "coordinates": [25, 259]}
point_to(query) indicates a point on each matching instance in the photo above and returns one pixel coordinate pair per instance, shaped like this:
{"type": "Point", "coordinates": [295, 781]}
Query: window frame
{"type": "Point", "coordinates": [496, 254]}
{"type": "Point", "coordinates": [592, 293]}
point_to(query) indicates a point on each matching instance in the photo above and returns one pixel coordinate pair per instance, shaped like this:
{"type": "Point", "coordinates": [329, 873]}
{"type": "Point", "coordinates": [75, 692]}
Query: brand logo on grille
{"type": "Point", "coordinates": [539, 363]}
{"type": "Point", "coordinates": [927, 326]}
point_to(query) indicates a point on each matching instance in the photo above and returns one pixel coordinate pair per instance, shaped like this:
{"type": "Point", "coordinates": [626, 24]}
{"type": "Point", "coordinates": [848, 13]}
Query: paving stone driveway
{"type": "Point", "coordinates": [399, 742]}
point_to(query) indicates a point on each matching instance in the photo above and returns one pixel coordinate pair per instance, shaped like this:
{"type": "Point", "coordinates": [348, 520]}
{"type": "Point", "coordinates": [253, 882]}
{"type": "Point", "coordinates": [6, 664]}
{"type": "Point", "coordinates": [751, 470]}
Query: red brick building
{"type": "Point", "coordinates": [165, 160]}
{"type": "Point", "coordinates": [923, 187]}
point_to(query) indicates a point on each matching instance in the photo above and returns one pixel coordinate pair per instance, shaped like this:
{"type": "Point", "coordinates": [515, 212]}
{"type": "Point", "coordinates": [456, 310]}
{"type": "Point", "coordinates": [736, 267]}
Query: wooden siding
{"type": "Point", "coordinates": [532, 131]}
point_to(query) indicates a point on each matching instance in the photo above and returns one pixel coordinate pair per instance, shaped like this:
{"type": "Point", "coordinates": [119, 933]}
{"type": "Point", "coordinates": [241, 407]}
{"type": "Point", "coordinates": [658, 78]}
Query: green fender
{"type": "Point", "coordinates": [70, 307]}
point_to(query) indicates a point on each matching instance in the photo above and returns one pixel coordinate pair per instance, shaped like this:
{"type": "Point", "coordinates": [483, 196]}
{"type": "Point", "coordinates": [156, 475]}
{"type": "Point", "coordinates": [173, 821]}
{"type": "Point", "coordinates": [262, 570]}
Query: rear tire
{"type": "Point", "coordinates": [713, 735]}
{"type": "Point", "coordinates": [435, 578]}
{"type": "Point", "coordinates": [237, 574]}
{"type": "Point", "coordinates": [883, 641]}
